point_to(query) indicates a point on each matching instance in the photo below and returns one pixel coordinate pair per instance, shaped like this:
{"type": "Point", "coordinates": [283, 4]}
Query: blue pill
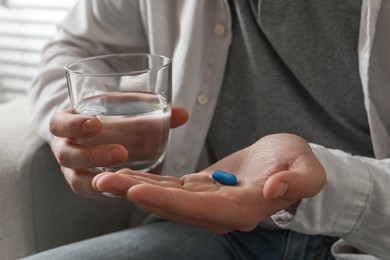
{"type": "Point", "coordinates": [224, 177]}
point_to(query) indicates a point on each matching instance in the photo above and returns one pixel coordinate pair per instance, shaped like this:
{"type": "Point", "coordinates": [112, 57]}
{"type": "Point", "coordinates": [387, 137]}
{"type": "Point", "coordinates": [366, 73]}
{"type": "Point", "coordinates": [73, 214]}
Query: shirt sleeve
{"type": "Point", "coordinates": [354, 204]}
{"type": "Point", "coordinates": [92, 28]}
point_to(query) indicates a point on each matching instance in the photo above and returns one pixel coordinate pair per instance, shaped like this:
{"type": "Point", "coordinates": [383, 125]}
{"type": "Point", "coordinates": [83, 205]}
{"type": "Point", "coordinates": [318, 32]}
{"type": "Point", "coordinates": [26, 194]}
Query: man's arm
{"type": "Point", "coordinates": [354, 204]}
{"type": "Point", "coordinates": [350, 200]}
{"type": "Point", "coordinates": [91, 28]}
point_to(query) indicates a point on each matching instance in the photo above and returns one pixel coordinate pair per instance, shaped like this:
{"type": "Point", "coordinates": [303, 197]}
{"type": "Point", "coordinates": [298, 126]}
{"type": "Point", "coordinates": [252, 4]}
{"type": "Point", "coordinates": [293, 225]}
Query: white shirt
{"type": "Point", "coordinates": [196, 34]}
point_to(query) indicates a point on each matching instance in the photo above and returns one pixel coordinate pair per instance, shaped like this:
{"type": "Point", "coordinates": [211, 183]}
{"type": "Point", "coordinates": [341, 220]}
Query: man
{"type": "Point", "coordinates": [245, 71]}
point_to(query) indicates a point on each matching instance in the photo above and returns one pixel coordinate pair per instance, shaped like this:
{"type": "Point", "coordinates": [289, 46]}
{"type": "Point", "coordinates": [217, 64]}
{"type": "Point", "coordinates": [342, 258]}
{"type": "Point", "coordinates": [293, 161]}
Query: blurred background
{"type": "Point", "coordinates": [25, 27]}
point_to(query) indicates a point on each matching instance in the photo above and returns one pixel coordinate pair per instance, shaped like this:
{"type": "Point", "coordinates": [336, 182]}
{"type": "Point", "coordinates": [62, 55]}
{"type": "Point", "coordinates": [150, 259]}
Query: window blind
{"type": "Point", "coordinates": [25, 27]}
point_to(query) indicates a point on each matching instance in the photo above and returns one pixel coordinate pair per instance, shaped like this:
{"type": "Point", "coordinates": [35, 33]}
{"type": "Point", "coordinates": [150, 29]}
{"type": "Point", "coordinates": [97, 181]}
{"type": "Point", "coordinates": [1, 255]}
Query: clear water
{"type": "Point", "coordinates": [139, 121]}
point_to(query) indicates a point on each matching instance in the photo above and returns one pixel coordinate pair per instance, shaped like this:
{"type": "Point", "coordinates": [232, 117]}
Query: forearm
{"type": "Point", "coordinates": [92, 28]}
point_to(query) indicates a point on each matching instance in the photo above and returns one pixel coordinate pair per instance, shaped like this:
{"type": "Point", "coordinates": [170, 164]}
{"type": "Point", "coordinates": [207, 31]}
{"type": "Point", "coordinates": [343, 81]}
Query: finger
{"type": "Point", "coordinates": [76, 156]}
{"type": "Point", "coordinates": [67, 124]}
{"type": "Point", "coordinates": [118, 183]}
{"type": "Point", "coordinates": [293, 186]}
{"type": "Point", "coordinates": [201, 206]}
{"type": "Point", "coordinates": [163, 182]}
{"type": "Point", "coordinates": [188, 207]}
{"type": "Point", "coordinates": [179, 116]}
{"type": "Point", "coordinates": [114, 183]}
{"type": "Point", "coordinates": [152, 176]}
{"type": "Point", "coordinates": [80, 183]}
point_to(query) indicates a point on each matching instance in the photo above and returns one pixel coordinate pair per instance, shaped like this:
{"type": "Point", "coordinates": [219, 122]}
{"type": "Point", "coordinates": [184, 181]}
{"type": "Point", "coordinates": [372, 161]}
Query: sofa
{"type": "Point", "coordinates": [38, 209]}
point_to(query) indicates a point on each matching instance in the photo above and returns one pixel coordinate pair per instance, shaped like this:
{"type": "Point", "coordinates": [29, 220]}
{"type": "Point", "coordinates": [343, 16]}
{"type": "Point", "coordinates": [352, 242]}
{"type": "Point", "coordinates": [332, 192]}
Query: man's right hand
{"type": "Point", "coordinates": [76, 159]}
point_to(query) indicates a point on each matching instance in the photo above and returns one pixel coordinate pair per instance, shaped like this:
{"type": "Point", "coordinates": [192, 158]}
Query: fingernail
{"type": "Point", "coordinates": [280, 191]}
{"type": "Point", "coordinates": [96, 179]}
{"type": "Point", "coordinates": [114, 155]}
{"type": "Point", "coordinates": [88, 126]}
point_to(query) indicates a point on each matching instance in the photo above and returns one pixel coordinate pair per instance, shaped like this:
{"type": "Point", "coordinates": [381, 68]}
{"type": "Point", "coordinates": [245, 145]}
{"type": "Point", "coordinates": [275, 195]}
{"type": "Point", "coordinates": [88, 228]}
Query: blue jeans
{"type": "Point", "coordinates": [167, 240]}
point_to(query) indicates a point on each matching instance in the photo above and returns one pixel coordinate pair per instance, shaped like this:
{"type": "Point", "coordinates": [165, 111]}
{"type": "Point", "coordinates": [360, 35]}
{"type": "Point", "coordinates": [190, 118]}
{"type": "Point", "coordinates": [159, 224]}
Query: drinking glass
{"type": "Point", "coordinates": [131, 95]}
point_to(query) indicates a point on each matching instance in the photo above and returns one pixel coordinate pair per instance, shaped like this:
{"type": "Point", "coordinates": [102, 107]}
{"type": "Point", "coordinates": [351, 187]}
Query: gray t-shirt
{"type": "Point", "coordinates": [292, 67]}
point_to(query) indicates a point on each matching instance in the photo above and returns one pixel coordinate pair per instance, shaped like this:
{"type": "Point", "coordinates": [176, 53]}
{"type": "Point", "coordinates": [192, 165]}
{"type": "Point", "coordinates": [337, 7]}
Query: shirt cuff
{"type": "Point", "coordinates": [336, 209]}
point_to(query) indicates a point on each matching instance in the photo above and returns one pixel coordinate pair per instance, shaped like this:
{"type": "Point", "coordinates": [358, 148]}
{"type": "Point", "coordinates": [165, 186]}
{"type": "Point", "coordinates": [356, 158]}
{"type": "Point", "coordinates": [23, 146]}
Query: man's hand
{"type": "Point", "coordinates": [69, 129]}
{"type": "Point", "coordinates": [274, 173]}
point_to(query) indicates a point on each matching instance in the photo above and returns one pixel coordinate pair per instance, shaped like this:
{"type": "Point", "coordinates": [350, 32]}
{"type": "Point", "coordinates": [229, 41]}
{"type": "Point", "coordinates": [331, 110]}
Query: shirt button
{"type": "Point", "coordinates": [203, 99]}
{"type": "Point", "coordinates": [181, 165]}
{"type": "Point", "coordinates": [219, 30]}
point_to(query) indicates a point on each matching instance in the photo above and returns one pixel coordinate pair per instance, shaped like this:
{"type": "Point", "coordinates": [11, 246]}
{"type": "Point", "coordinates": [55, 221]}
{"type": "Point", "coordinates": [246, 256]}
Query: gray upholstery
{"type": "Point", "coordinates": [38, 209]}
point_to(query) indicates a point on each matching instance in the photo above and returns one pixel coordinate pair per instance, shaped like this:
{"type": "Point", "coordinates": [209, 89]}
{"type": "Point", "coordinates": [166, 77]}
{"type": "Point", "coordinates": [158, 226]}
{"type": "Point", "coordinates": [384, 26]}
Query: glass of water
{"type": "Point", "coordinates": [131, 95]}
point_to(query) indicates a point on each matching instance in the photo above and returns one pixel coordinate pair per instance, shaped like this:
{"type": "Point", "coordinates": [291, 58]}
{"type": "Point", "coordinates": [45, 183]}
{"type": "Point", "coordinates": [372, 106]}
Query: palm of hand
{"type": "Point", "coordinates": [197, 200]}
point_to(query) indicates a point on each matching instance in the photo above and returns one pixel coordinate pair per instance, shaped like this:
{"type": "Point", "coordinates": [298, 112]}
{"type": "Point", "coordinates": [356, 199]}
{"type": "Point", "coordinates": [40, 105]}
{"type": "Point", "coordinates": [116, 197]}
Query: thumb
{"type": "Point", "coordinates": [179, 116]}
{"type": "Point", "coordinates": [294, 186]}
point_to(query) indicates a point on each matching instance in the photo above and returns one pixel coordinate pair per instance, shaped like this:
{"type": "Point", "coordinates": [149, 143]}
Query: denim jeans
{"type": "Point", "coordinates": [167, 240]}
